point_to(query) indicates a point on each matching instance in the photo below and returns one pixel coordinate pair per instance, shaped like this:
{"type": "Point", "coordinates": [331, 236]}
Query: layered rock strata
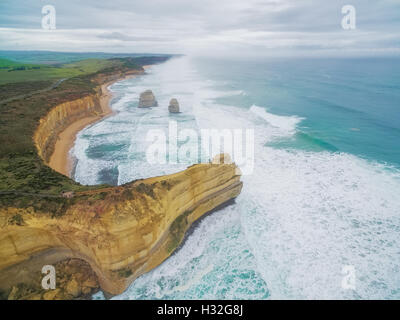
{"type": "Point", "coordinates": [119, 232]}
{"type": "Point", "coordinates": [125, 232]}
{"type": "Point", "coordinates": [147, 100]}
{"type": "Point", "coordinates": [173, 106]}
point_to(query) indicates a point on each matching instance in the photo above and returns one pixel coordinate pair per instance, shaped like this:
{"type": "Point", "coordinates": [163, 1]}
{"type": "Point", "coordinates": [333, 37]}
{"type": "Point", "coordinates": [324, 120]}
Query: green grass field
{"type": "Point", "coordinates": [6, 63]}
{"type": "Point", "coordinates": [13, 72]}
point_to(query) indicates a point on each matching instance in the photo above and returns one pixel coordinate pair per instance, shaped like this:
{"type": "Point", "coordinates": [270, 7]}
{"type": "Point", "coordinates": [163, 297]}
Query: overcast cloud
{"type": "Point", "coordinates": [216, 27]}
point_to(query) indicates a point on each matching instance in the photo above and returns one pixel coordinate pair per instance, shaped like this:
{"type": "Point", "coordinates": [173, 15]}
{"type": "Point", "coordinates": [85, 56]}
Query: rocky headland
{"type": "Point", "coordinates": [101, 237]}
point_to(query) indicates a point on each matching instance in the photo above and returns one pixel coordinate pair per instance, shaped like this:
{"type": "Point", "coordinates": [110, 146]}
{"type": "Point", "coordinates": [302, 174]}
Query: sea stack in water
{"type": "Point", "coordinates": [147, 99]}
{"type": "Point", "coordinates": [173, 106]}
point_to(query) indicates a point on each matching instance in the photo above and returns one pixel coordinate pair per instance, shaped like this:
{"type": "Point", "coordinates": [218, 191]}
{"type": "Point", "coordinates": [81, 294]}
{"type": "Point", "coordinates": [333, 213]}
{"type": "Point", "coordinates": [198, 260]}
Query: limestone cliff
{"type": "Point", "coordinates": [147, 100]}
{"type": "Point", "coordinates": [121, 232]}
{"type": "Point", "coordinates": [59, 118]}
{"type": "Point", "coordinates": [62, 115]}
{"type": "Point", "coordinates": [126, 232]}
{"type": "Point", "coordinates": [173, 106]}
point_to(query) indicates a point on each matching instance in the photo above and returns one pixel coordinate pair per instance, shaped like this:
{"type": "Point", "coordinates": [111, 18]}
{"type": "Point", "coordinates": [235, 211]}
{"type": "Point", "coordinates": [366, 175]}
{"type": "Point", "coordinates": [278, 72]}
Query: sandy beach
{"type": "Point", "coordinates": [60, 159]}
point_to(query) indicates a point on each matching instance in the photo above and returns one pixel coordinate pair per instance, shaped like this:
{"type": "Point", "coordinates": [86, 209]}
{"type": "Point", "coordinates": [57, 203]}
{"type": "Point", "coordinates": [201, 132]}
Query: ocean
{"type": "Point", "coordinates": [322, 204]}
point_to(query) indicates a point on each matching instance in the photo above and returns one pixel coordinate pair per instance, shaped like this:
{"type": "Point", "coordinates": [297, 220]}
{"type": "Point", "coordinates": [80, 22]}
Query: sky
{"type": "Point", "coordinates": [204, 27]}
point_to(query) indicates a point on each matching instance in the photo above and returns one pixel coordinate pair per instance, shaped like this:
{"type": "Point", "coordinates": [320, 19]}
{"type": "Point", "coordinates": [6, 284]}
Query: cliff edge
{"type": "Point", "coordinates": [118, 233]}
{"type": "Point", "coordinates": [125, 232]}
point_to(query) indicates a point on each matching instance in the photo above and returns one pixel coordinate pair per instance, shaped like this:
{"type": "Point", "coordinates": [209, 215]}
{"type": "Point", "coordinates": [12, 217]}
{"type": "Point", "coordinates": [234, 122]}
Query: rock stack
{"type": "Point", "coordinates": [147, 99]}
{"type": "Point", "coordinates": [173, 106]}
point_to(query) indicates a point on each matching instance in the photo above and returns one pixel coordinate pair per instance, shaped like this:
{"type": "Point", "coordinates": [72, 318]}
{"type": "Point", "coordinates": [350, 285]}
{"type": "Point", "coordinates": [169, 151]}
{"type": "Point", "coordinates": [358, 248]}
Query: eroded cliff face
{"type": "Point", "coordinates": [124, 233]}
{"type": "Point", "coordinates": [120, 232]}
{"type": "Point", "coordinates": [61, 117]}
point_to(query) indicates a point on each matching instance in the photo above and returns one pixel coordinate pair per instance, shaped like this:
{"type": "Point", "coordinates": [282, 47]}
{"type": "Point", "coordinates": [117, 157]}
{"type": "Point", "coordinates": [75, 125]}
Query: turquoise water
{"type": "Point", "coordinates": [325, 189]}
{"type": "Point", "coordinates": [349, 105]}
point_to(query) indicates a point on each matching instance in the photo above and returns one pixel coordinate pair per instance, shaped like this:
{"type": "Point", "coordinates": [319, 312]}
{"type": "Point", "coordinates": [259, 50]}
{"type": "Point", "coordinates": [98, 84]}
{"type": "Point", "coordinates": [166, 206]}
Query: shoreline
{"type": "Point", "coordinates": [60, 160]}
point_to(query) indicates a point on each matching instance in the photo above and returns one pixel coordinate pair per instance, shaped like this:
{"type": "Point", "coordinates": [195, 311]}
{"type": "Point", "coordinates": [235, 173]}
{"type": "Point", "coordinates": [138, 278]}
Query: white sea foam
{"type": "Point", "coordinates": [215, 262]}
{"type": "Point", "coordinates": [312, 214]}
{"type": "Point", "coordinates": [300, 218]}
{"type": "Point", "coordinates": [288, 124]}
{"type": "Point", "coordinates": [306, 215]}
